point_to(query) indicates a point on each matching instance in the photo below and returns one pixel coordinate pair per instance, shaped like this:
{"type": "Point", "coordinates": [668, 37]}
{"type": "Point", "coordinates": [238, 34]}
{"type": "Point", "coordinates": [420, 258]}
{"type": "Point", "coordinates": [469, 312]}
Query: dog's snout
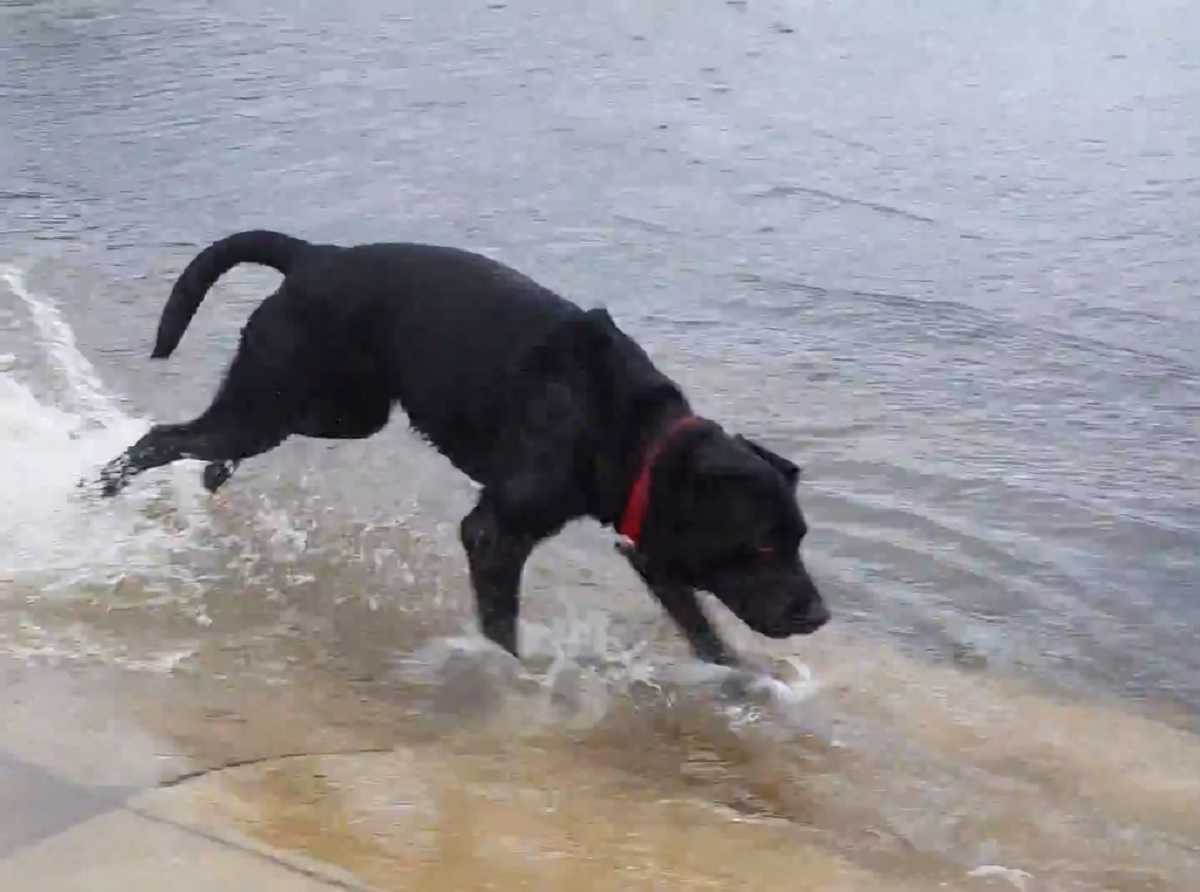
{"type": "Point", "coordinates": [807, 614]}
{"type": "Point", "coordinates": [817, 614]}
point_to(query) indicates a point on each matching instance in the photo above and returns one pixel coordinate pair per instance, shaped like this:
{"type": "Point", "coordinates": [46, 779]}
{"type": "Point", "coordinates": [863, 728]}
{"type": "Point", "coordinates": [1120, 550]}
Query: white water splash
{"type": "Point", "coordinates": [77, 643]}
{"type": "Point", "coordinates": [574, 667]}
{"type": "Point", "coordinates": [53, 536]}
{"type": "Point", "coordinates": [1019, 878]}
{"type": "Point", "coordinates": [796, 686]}
{"type": "Point", "coordinates": [57, 339]}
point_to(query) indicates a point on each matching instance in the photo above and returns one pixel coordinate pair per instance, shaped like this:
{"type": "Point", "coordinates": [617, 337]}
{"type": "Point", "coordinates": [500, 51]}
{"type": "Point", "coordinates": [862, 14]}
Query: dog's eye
{"type": "Point", "coordinates": [744, 557]}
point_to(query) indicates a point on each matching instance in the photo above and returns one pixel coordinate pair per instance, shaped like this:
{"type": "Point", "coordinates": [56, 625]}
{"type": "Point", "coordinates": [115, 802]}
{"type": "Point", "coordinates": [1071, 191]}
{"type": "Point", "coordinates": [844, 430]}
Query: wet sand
{"type": "Point", "coordinates": [886, 774]}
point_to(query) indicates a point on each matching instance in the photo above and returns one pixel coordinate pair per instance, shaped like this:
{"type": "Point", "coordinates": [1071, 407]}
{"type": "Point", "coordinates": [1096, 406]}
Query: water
{"type": "Point", "coordinates": [940, 253]}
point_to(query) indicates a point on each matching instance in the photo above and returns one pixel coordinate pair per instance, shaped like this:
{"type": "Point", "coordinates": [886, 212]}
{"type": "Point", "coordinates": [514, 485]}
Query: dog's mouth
{"type": "Point", "coordinates": [773, 603]}
{"type": "Point", "coordinates": [796, 615]}
{"type": "Point", "coordinates": [805, 617]}
{"type": "Point", "coordinates": [797, 619]}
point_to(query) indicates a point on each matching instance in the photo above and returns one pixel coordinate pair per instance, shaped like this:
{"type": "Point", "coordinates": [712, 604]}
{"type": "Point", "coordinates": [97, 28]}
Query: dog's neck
{"type": "Point", "coordinates": [637, 503]}
{"type": "Point", "coordinates": [624, 461]}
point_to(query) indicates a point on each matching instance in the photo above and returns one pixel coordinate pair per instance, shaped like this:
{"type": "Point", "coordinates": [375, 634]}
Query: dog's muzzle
{"type": "Point", "coordinates": [777, 603]}
{"type": "Point", "coordinates": [806, 618]}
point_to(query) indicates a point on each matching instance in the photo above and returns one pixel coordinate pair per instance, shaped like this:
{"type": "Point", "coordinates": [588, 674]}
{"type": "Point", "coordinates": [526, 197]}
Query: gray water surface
{"type": "Point", "coordinates": [942, 253]}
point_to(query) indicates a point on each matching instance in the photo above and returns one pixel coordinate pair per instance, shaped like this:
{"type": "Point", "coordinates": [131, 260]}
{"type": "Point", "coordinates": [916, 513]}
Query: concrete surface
{"type": "Point", "coordinates": [122, 850]}
{"type": "Point", "coordinates": [74, 772]}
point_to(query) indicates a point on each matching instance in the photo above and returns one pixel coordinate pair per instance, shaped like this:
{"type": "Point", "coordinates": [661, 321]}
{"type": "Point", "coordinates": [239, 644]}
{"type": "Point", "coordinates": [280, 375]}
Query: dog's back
{"type": "Point", "coordinates": [447, 328]}
{"type": "Point", "coordinates": [439, 330]}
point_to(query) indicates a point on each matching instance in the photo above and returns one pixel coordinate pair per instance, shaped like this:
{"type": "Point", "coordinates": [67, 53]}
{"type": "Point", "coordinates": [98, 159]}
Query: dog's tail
{"type": "Point", "coordinates": [273, 249]}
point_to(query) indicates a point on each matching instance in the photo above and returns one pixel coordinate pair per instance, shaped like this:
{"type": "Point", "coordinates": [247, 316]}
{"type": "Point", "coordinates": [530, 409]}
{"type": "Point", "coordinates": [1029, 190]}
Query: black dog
{"type": "Point", "coordinates": [552, 409]}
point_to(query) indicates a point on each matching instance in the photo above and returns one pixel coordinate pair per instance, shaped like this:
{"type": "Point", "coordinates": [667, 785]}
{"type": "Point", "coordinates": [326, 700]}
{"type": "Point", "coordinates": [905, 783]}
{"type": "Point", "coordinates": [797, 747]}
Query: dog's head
{"type": "Point", "coordinates": [721, 515]}
{"type": "Point", "coordinates": [724, 518]}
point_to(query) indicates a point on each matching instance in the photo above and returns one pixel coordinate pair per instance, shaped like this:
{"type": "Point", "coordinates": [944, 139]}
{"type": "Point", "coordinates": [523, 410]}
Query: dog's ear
{"type": "Point", "coordinates": [789, 470]}
{"type": "Point", "coordinates": [579, 342]}
{"type": "Point", "coordinates": [601, 321]}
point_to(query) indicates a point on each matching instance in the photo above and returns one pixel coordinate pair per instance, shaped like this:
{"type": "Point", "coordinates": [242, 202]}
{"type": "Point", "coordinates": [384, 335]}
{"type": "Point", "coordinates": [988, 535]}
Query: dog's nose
{"type": "Point", "coordinates": [816, 615]}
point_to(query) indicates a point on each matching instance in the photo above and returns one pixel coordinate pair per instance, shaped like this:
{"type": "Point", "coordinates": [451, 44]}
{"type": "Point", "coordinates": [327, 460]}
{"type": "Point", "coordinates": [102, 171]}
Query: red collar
{"type": "Point", "coordinates": [639, 494]}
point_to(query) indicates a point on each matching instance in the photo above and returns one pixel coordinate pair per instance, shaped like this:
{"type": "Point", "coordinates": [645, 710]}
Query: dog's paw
{"type": "Point", "coordinates": [739, 685]}
{"type": "Point", "coordinates": [216, 474]}
{"type": "Point", "coordinates": [112, 477]}
{"type": "Point", "coordinates": [92, 488]}
{"type": "Point", "coordinates": [110, 484]}
{"type": "Point", "coordinates": [761, 681]}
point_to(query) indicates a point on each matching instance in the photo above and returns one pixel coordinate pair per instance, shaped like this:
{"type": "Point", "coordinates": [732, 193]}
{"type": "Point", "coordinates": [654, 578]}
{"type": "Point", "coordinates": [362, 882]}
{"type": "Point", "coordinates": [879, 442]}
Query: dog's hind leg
{"type": "Point", "coordinates": [254, 410]}
{"type": "Point", "coordinates": [167, 443]}
{"type": "Point", "coordinates": [217, 473]}
{"type": "Point", "coordinates": [346, 417]}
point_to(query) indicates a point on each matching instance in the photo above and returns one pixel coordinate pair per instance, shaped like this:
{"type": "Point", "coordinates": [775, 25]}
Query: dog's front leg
{"type": "Point", "coordinates": [496, 558]}
{"type": "Point", "coordinates": [682, 606]}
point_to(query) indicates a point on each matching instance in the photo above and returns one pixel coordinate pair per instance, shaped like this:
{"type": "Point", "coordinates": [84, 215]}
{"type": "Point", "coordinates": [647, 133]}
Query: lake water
{"type": "Point", "coordinates": [942, 254]}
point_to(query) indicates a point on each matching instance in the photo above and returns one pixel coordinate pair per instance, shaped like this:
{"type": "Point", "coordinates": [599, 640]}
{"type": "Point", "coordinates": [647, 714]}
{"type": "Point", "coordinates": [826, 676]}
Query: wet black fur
{"type": "Point", "coordinates": [547, 406]}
